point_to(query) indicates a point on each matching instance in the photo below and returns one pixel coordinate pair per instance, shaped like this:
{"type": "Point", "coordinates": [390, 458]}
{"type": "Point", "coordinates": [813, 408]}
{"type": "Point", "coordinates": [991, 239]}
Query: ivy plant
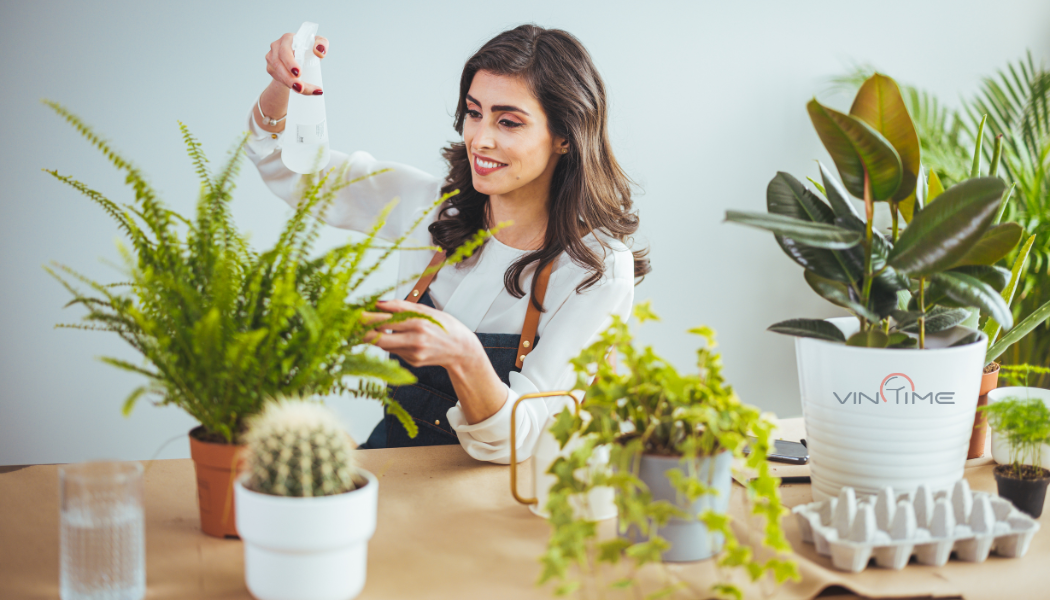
{"type": "Point", "coordinates": [223, 328]}
{"type": "Point", "coordinates": [1025, 423]}
{"type": "Point", "coordinates": [926, 273]}
{"type": "Point", "coordinates": [646, 406]}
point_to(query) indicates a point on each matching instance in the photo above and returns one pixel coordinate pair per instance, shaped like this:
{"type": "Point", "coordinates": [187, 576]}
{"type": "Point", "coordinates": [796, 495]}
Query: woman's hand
{"type": "Point", "coordinates": [422, 343]}
{"type": "Point", "coordinates": [281, 64]}
{"type": "Point", "coordinates": [282, 67]}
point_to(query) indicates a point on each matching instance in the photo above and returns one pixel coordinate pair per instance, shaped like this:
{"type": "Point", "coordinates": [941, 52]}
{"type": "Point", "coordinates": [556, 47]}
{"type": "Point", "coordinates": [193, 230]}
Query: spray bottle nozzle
{"type": "Point", "coordinates": [303, 41]}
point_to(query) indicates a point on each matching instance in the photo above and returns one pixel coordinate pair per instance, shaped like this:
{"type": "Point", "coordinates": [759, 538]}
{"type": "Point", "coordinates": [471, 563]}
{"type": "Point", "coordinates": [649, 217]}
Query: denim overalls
{"type": "Point", "coordinates": [429, 399]}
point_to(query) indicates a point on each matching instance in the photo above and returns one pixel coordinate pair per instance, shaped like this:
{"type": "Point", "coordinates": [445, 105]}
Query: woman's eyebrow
{"type": "Point", "coordinates": [501, 107]}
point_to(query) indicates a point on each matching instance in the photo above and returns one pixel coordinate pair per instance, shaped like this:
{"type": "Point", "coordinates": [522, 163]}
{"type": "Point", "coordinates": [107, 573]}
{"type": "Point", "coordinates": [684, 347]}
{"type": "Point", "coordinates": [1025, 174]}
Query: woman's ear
{"type": "Point", "coordinates": [561, 145]}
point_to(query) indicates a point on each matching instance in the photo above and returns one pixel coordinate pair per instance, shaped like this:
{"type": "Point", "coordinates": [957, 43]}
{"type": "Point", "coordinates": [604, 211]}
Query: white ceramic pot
{"type": "Point", "coordinates": [879, 417]}
{"type": "Point", "coordinates": [306, 548]}
{"type": "Point", "coordinates": [1001, 448]}
{"type": "Point", "coordinates": [599, 504]}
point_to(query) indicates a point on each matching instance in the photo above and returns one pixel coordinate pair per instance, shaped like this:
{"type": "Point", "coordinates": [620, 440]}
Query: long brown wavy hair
{"type": "Point", "coordinates": [589, 190]}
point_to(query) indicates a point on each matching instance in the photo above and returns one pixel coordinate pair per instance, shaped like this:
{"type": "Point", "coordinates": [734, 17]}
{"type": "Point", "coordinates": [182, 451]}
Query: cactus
{"type": "Point", "coordinates": [299, 448]}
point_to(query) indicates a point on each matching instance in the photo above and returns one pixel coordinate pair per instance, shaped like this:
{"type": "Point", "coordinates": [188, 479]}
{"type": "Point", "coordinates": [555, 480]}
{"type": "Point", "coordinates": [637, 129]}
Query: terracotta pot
{"type": "Point", "coordinates": [989, 381]}
{"type": "Point", "coordinates": [216, 466]}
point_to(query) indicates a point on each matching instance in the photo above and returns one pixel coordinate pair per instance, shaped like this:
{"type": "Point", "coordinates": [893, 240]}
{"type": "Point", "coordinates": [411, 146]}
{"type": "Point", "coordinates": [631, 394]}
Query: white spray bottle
{"type": "Point", "coordinates": [305, 147]}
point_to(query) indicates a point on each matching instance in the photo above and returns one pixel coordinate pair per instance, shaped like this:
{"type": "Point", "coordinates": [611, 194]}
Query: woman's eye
{"type": "Point", "coordinates": [510, 123]}
{"type": "Point", "coordinates": [473, 114]}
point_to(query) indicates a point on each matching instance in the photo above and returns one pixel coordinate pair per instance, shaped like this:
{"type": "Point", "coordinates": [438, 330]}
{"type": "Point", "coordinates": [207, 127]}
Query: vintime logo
{"type": "Point", "coordinates": [897, 388]}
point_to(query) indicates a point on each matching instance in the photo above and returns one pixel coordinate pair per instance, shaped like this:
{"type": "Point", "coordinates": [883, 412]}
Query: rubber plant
{"type": "Point", "coordinates": [924, 274]}
{"type": "Point", "coordinates": [223, 328]}
{"type": "Point", "coordinates": [646, 406]}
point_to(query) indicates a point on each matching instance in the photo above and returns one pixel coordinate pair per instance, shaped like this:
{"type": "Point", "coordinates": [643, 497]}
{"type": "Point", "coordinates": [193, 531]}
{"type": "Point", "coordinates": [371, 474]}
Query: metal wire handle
{"type": "Point", "coordinates": [513, 440]}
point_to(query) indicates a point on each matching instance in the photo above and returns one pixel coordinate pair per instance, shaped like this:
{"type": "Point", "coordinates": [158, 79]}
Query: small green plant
{"type": "Point", "coordinates": [648, 407]}
{"type": "Point", "coordinates": [1025, 423]}
{"type": "Point", "coordinates": [223, 328]}
{"type": "Point", "coordinates": [298, 448]}
{"type": "Point", "coordinates": [1021, 375]}
{"type": "Point", "coordinates": [922, 277]}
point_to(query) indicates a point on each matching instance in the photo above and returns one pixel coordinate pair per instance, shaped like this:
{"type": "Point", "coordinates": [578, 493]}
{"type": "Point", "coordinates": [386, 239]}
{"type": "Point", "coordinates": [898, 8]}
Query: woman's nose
{"type": "Point", "coordinates": [484, 137]}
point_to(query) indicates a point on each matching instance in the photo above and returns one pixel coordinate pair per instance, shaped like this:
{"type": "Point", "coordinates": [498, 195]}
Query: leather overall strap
{"type": "Point", "coordinates": [532, 314]}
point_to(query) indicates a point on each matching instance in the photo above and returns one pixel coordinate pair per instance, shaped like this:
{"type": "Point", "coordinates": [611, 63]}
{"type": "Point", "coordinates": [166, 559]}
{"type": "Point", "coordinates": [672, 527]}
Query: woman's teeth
{"type": "Point", "coordinates": [489, 165]}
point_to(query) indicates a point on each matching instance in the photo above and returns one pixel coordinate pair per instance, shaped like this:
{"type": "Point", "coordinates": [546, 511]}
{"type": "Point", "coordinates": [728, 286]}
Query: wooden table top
{"type": "Point", "coordinates": [448, 527]}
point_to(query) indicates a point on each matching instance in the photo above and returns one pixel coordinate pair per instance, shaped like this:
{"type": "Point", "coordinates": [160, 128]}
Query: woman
{"type": "Point", "coordinates": [536, 152]}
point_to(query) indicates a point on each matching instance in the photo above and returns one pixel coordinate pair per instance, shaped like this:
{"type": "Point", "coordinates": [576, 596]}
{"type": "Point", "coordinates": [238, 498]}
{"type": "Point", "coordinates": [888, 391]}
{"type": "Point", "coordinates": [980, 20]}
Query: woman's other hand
{"type": "Point", "coordinates": [422, 343]}
{"type": "Point", "coordinates": [282, 66]}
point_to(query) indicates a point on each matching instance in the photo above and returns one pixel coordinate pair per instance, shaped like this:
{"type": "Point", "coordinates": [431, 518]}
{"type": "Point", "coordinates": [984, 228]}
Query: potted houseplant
{"type": "Point", "coordinates": [304, 509]}
{"type": "Point", "coordinates": [1022, 421]}
{"type": "Point", "coordinates": [671, 439]}
{"type": "Point", "coordinates": [902, 378]}
{"type": "Point", "coordinates": [222, 328]}
{"type": "Point", "coordinates": [998, 345]}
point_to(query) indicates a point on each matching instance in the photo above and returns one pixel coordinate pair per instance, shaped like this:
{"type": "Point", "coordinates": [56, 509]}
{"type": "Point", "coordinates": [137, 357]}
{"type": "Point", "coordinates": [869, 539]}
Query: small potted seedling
{"type": "Point", "coordinates": [1025, 424]}
{"type": "Point", "coordinates": [304, 509]}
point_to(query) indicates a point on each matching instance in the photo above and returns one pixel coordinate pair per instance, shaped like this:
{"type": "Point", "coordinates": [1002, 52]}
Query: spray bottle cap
{"type": "Point", "coordinates": [303, 42]}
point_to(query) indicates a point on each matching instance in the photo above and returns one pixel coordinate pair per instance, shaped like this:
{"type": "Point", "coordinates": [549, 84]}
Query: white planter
{"type": "Point", "coordinates": [1000, 447]}
{"type": "Point", "coordinates": [599, 504]}
{"type": "Point", "coordinates": [879, 417]}
{"type": "Point", "coordinates": [306, 548]}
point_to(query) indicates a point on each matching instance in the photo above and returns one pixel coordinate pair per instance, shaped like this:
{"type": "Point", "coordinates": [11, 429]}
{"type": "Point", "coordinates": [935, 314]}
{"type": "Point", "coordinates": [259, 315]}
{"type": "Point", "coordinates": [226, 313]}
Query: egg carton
{"type": "Point", "coordinates": [929, 526]}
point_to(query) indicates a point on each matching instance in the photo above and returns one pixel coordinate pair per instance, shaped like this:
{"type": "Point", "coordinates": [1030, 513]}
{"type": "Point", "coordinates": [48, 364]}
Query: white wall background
{"type": "Point", "coordinates": [707, 104]}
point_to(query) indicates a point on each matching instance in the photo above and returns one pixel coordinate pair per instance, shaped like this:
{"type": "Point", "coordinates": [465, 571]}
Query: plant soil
{"type": "Point", "coordinates": [1028, 472]}
{"type": "Point", "coordinates": [201, 434]}
{"type": "Point", "coordinates": [991, 368]}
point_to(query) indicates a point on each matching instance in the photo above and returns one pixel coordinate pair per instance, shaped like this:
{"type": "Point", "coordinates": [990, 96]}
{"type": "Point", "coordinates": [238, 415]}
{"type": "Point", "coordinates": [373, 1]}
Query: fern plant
{"type": "Point", "coordinates": [223, 328]}
{"type": "Point", "coordinates": [647, 407]}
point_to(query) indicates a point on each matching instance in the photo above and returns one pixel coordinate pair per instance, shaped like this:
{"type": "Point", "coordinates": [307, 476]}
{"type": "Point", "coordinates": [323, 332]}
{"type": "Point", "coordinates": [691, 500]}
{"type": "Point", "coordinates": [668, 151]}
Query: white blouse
{"type": "Point", "coordinates": [473, 292]}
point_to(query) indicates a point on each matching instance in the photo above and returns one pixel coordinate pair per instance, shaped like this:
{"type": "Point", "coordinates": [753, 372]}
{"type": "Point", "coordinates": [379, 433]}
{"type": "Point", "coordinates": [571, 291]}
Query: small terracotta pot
{"type": "Point", "coordinates": [989, 381]}
{"type": "Point", "coordinates": [216, 466]}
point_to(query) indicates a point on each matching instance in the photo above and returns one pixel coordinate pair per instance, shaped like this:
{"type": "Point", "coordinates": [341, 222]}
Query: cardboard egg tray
{"type": "Point", "coordinates": [929, 526]}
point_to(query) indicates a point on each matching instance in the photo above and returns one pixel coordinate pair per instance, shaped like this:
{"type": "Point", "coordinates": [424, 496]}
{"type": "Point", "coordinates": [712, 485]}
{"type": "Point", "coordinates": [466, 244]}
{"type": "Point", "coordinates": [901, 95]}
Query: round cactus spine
{"type": "Point", "coordinates": [298, 448]}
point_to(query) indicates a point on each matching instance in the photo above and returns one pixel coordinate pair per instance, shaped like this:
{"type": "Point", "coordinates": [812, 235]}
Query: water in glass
{"type": "Point", "coordinates": [103, 554]}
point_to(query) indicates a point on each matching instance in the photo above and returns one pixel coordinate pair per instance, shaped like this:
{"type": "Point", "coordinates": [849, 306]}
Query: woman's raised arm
{"type": "Point", "coordinates": [358, 205]}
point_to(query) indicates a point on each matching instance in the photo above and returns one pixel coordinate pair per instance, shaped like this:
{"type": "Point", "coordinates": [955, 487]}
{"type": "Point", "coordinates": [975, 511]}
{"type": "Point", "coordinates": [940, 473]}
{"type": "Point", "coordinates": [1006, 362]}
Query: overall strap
{"type": "Point", "coordinates": [532, 315]}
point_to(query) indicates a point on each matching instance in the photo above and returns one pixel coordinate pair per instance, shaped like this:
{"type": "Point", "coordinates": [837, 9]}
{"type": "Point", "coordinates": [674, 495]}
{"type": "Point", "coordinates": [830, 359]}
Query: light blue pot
{"type": "Point", "coordinates": [689, 539]}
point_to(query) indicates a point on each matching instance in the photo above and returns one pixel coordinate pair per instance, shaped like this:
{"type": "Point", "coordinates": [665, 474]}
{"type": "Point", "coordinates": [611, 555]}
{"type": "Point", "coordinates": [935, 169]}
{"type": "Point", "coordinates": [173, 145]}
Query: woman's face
{"type": "Point", "coordinates": [505, 132]}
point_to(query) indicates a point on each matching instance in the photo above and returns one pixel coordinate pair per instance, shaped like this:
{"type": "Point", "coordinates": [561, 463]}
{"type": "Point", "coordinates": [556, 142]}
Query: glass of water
{"type": "Point", "coordinates": [103, 537]}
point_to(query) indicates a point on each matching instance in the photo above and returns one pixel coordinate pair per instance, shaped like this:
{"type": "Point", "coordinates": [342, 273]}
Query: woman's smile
{"type": "Point", "coordinates": [484, 166]}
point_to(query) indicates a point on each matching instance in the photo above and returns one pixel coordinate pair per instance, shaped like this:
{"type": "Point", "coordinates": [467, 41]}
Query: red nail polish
{"type": "Point", "coordinates": [297, 87]}
{"type": "Point", "coordinates": [318, 92]}
{"type": "Point", "coordinates": [295, 72]}
{"type": "Point", "coordinates": [320, 48]}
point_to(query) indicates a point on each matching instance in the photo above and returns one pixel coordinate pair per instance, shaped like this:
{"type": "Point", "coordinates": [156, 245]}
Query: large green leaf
{"type": "Point", "coordinates": [837, 195]}
{"type": "Point", "coordinates": [786, 196]}
{"type": "Point", "coordinates": [997, 242]}
{"type": "Point", "coordinates": [1023, 328]}
{"type": "Point", "coordinates": [938, 318]}
{"type": "Point", "coordinates": [818, 235]}
{"type": "Point", "coordinates": [837, 293]}
{"type": "Point", "coordinates": [992, 327]}
{"type": "Point", "coordinates": [945, 230]}
{"type": "Point", "coordinates": [857, 149]}
{"type": "Point", "coordinates": [997, 277]}
{"type": "Point", "coordinates": [880, 105]}
{"type": "Point", "coordinates": [814, 328]}
{"type": "Point", "coordinates": [970, 291]}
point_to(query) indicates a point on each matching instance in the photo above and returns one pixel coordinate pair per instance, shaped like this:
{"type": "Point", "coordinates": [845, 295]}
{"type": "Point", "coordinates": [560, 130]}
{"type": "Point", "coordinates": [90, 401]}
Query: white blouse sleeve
{"type": "Point", "coordinates": [571, 327]}
{"type": "Point", "coordinates": [357, 205]}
